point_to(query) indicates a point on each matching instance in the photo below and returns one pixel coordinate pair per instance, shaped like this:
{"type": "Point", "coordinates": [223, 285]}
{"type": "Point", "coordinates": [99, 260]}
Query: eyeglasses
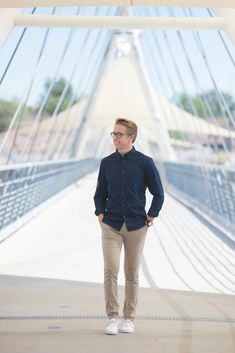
{"type": "Point", "coordinates": [117, 134]}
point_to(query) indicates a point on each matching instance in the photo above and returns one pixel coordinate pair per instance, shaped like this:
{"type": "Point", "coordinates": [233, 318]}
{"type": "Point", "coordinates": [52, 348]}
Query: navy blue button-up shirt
{"type": "Point", "coordinates": [121, 188]}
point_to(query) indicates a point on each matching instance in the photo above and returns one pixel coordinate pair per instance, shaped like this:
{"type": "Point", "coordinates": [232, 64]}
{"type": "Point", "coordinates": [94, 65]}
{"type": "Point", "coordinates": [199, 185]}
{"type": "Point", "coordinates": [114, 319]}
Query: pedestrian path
{"type": "Point", "coordinates": [58, 316]}
{"type": "Point", "coordinates": [64, 242]}
{"type": "Point", "coordinates": [51, 274]}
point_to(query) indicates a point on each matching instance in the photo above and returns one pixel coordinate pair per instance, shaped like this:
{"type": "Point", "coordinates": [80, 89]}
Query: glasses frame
{"type": "Point", "coordinates": [118, 134]}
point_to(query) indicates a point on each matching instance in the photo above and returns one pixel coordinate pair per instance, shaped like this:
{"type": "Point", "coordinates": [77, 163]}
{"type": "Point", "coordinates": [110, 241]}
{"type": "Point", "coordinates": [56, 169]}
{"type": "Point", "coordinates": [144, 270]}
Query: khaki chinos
{"type": "Point", "coordinates": [112, 242]}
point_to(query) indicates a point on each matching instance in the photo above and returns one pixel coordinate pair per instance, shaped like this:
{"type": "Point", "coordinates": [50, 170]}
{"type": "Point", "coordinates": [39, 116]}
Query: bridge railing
{"type": "Point", "coordinates": [210, 189]}
{"type": "Point", "coordinates": [23, 187]}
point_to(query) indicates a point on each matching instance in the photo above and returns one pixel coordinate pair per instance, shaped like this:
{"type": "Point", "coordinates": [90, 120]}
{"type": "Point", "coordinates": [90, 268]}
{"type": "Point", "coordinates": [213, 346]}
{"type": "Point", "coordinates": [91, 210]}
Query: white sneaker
{"type": "Point", "coordinates": [128, 326]}
{"type": "Point", "coordinates": [112, 326]}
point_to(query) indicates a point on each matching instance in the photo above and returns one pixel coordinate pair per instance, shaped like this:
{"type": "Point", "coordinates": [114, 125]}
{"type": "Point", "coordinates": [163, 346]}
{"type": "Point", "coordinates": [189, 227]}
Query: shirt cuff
{"type": "Point", "coordinates": [98, 212]}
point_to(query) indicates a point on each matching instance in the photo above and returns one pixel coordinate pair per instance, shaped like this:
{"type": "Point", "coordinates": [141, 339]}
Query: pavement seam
{"type": "Point", "coordinates": [102, 317]}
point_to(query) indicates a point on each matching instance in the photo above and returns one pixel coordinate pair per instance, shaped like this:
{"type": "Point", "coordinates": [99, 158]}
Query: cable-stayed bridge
{"type": "Point", "coordinates": [163, 67]}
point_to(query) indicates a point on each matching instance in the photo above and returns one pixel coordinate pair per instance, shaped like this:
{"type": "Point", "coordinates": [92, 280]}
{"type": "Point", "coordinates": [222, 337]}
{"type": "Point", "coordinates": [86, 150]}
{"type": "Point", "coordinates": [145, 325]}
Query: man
{"type": "Point", "coordinates": [120, 206]}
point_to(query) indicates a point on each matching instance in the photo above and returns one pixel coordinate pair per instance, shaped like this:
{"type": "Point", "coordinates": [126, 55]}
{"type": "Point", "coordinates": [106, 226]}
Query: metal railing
{"type": "Point", "coordinates": [23, 187]}
{"type": "Point", "coordinates": [211, 189]}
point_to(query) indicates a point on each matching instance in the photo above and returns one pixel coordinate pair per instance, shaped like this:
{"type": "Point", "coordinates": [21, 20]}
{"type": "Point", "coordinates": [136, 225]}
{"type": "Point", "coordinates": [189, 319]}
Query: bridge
{"type": "Point", "coordinates": [66, 74]}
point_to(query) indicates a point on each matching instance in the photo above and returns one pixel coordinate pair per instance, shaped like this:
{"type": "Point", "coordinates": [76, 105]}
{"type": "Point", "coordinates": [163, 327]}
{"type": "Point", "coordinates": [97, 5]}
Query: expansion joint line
{"type": "Point", "coordinates": [103, 317]}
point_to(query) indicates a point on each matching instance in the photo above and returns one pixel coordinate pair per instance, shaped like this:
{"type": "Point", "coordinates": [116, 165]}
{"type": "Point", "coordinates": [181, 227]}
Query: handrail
{"type": "Point", "coordinates": [26, 186]}
{"type": "Point", "coordinates": [211, 191]}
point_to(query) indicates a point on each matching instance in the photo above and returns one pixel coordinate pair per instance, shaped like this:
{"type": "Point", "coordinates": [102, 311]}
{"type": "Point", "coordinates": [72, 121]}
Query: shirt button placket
{"type": "Point", "coordinates": [123, 187]}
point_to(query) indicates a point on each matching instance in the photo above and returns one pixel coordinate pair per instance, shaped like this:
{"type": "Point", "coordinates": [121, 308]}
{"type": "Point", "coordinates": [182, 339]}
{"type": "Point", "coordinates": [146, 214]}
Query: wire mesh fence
{"type": "Point", "coordinates": [24, 187]}
{"type": "Point", "coordinates": [211, 189]}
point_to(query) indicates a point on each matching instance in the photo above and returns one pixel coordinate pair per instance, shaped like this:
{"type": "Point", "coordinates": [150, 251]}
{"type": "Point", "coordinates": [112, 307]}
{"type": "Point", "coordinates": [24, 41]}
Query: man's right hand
{"type": "Point", "coordinates": [100, 217]}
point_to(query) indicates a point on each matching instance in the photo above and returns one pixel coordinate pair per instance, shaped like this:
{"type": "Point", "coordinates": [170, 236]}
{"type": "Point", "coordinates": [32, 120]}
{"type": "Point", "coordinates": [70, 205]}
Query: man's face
{"type": "Point", "coordinates": [124, 141]}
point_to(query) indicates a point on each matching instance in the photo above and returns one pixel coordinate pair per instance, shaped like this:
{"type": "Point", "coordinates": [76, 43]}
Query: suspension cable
{"type": "Point", "coordinates": [12, 122]}
{"type": "Point", "coordinates": [29, 89]}
{"type": "Point", "coordinates": [84, 51]}
{"type": "Point", "coordinates": [64, 143]}
{"type": "Point", "coordinates": [53, 119]}
{"type": "Point", "coordinates": [198, 37]}
{"type": "Point", "coordinates": [83, 75]}
{"type": "Point", "coordinates": [99, 69]}
{"type": "Point", "coordinates": [15, 50]}
{"type": "Point", "coordinates": [196, 121]}
{"type": "Point", "coordinates": [170, 81]}
{"type": "Point", "coordinates": [37, 121]}
{"type": "Point", "coordinates": [21, 171]}
{"type": "Point", "coordinates": [221, 101]}
{"type": "Point", "coordinates": [168, 111]}
{"type": "Point", "coordinates": [178, 121]}
{"type": "Point", "coordinates": [94, 76]}
{"type": "Point", "coordinates": [222, 40]}
{"type": "Point", "coordinates": [203, 99]}
{"type": "Point", "coordinates": [204, 165]}
{"type": "Point", "coordinates": [72, 101]}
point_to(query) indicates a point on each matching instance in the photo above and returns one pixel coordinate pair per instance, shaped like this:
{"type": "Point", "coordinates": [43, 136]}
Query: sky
{"type": "Point", "coordinates": [20, 72]}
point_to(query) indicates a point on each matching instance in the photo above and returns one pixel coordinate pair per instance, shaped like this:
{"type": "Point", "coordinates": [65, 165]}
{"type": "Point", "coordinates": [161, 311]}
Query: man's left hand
{"type": "Point", "coordinates": [151, 219]}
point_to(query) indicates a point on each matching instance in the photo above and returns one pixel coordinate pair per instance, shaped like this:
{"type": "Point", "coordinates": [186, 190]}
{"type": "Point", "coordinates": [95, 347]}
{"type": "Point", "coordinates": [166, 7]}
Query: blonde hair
{"type": "Point", "coordinates": [130, 125]}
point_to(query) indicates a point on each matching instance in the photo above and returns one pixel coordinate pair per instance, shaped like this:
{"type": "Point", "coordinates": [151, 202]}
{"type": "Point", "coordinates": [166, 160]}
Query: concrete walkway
{"type": "Point", "coordinates": [162, 330]}
{"type": "Point", "coordinates": [64, 242]}
{"type": "Point", "coordinates": [52, 268]}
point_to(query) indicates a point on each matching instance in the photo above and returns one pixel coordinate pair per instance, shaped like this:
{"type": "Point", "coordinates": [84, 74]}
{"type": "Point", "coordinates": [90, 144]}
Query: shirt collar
{"type": "Point", "coordinates": [129, 154]}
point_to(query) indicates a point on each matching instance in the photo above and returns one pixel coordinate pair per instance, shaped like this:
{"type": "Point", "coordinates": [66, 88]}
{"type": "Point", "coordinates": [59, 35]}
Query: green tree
{"type": "Point", "coordinates": [213, 100]}
{"type": "Point", "coordinates": [55, 94]}
{"type": "Point", "coordinates": [7, 110]}
{"type": "Point", "coordinates": [183, 100]}
{"type": "Point", "coordinates": [190, 104]}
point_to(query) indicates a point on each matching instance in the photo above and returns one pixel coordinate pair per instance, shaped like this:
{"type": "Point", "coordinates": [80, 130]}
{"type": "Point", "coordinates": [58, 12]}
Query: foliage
{"type": "Point", "coordinates": [55, 94]}
{"type": "Point", "coordinates": [186, 101]}
{"type": "Point", "coordinates": [7, 111]}
{"type": "Point", "coordinates": [176, 134]}
{"type": "Point", "coordinates": [8, 108]}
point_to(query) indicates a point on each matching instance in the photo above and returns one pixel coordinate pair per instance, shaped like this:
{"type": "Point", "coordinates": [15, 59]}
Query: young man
{"type": "Point", "coordinates": [120, 206]}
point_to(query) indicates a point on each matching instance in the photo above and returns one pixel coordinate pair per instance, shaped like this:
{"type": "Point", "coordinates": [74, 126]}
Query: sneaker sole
{"type": "Point", "coordinates": [123, 331]}
{"type": "Point", "coordinates": [111, 333]}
